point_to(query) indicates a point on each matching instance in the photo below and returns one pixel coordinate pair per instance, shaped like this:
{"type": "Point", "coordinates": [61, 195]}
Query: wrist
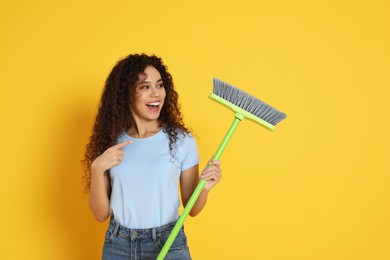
{"type": "Point", "coordinates": [206, 190]}
{"type": "Point", "coordinates": [95, 169]}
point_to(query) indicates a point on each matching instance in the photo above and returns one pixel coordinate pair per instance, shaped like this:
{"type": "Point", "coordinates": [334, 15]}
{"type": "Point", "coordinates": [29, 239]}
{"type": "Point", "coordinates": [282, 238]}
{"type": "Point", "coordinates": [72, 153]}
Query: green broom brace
{"type": "Point", "coordinates": [245, 106]}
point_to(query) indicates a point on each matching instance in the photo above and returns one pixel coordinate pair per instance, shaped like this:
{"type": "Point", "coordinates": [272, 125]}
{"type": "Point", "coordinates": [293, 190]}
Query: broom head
{"type": "Point", "coordinates": [246, 105]}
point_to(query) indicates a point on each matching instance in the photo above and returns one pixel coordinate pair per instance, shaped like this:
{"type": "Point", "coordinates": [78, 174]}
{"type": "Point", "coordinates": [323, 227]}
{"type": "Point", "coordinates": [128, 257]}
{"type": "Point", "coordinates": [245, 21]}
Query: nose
{"type": "Point", "coordinates": [154, 92]}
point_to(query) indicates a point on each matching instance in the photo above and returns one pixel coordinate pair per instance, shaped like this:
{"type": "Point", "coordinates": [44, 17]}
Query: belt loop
{"type": "Point", "coordinates": [154, 234]}
{"type": "Point", "coordinates": [115, 232]}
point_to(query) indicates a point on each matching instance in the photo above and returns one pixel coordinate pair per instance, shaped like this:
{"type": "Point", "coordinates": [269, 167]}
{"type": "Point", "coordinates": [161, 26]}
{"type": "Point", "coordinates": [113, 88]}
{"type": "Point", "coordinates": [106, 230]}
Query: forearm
{"type": "Point", "coordinates": [199, 204]}
{"type": "Point", "coordinates": [190, 179]}
{"type": "Point", "coordinates": [98, 199]}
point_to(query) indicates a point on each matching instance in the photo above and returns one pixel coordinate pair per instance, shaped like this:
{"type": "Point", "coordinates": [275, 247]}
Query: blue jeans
{"type": "Point", "coordinates": [143, 244]}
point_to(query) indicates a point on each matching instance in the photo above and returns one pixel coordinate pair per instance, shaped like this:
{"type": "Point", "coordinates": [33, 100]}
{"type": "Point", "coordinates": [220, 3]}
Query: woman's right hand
{"type": "Point", "coordinates": [110, 158]}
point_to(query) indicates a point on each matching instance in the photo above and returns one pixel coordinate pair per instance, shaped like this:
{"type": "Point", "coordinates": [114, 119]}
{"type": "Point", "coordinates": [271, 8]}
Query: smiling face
{"type": "Point", "coordinates": [149, 96]}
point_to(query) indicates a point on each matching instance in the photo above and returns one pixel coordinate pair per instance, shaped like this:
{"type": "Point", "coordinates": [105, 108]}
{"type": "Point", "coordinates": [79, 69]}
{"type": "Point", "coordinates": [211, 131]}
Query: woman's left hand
{"type": "Point", "coordinates": [211, 174]}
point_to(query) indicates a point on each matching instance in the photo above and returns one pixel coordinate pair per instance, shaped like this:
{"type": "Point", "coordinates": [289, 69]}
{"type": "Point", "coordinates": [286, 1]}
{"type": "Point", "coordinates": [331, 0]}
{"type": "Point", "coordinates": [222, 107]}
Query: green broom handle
{"type": "Point", "coordinates": [198, 190]}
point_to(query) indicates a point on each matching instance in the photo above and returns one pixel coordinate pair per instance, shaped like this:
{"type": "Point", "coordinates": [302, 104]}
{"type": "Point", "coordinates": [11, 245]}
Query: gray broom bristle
{"type": "Point", "coordinates": [247, 102]}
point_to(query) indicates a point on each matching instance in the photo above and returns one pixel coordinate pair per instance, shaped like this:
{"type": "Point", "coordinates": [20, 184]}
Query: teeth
{"type": "Point", "coordinates": [154, 104]}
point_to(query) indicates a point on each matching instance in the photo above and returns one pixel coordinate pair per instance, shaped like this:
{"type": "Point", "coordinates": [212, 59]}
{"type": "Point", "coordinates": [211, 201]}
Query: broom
{"type": "Point", "coordinates": [244, 106]}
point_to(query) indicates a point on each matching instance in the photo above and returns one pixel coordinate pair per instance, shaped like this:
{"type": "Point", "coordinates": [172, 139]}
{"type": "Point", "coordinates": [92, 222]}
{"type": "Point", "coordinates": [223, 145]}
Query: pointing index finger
{"type": "Point", "coordinates": [123, 144]}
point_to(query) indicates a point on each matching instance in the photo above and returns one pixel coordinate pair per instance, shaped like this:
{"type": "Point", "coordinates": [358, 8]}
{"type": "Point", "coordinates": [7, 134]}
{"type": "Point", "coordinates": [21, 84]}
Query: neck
{"type": "Point", "coordinates": [144, 130]}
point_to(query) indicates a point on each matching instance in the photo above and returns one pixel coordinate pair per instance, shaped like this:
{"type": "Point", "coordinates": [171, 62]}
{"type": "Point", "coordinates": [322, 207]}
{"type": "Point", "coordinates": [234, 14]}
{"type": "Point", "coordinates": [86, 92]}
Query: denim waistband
{"type": "Point", "coordinates": [116, 229]}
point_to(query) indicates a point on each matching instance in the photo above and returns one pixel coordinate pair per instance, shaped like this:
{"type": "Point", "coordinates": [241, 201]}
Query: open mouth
{"type": "Point", "coordinates": [153, 105]}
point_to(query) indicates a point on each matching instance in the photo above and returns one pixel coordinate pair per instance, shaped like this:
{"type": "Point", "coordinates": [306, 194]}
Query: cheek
{"type": "Point", "coordinates": [164, 95]}
{"type": "Point", "coordinates": [137, 102]}
{"type": "Point", "coordinates": [138, 98]}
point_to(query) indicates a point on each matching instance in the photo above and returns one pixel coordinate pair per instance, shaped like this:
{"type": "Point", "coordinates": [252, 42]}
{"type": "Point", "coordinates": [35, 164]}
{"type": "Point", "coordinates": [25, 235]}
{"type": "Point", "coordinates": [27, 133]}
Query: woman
{"type": "Point", "coordinates": [138, 152]}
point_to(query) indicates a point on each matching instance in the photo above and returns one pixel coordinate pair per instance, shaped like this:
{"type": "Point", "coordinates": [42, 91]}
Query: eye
{"type": "Point", "coordinates": [145, 87]}
{"type": "Point", "coordinates": [160, 86]}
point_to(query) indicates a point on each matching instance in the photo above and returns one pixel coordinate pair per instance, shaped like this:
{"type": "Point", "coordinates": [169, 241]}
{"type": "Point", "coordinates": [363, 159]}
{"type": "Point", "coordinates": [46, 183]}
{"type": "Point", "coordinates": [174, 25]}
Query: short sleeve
{"type": "Point", "coordinates": [191, 156]}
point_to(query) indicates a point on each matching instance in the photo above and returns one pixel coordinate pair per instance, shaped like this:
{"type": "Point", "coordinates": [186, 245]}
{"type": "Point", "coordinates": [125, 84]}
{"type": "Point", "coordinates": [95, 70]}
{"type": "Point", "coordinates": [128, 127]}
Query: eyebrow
{"type": "Point", "coordinates": [144, 81]}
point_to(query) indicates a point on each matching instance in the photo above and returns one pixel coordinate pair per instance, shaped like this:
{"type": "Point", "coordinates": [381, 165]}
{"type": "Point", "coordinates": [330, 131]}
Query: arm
{"type": "Point", "coordinates": [99, 201]}
{"type": "Point", "coordinates": [189, 179]}
{"type": "Point", "coordinates": [99, 197]}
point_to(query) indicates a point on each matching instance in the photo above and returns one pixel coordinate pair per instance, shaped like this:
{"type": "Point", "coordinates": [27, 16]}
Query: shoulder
{"type": "Point", "coordinates": [188, 141]}
{"type": "Point", "coordinates": [177, 133]}
{"type": "Point", "coordinates": [184, 148]}
{"type": "Point", "coordinates": [122, 137]}
{"type": "Point", "coordinates": [184, 136]}
{"type": "Point", "coordinates": [180, 137]}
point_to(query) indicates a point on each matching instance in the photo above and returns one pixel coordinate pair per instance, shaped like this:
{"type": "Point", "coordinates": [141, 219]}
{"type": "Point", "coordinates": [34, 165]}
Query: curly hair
{"type": "Point", "coordinates": [114, 115]}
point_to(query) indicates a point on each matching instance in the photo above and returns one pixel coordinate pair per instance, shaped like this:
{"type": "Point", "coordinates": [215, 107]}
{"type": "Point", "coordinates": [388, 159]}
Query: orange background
{"type": "Point", "coordinates": [316, 188]}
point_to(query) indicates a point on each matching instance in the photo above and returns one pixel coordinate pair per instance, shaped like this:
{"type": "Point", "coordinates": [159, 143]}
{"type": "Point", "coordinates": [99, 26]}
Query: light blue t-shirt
{"type": "Point", "coordinates": [145, 185]}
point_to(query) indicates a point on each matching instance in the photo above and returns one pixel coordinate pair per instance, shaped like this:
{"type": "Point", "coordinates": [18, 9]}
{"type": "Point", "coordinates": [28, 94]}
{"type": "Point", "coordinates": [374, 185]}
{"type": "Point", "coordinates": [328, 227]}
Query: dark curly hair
{"type": "Point", "coordinates": [114, 115]}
